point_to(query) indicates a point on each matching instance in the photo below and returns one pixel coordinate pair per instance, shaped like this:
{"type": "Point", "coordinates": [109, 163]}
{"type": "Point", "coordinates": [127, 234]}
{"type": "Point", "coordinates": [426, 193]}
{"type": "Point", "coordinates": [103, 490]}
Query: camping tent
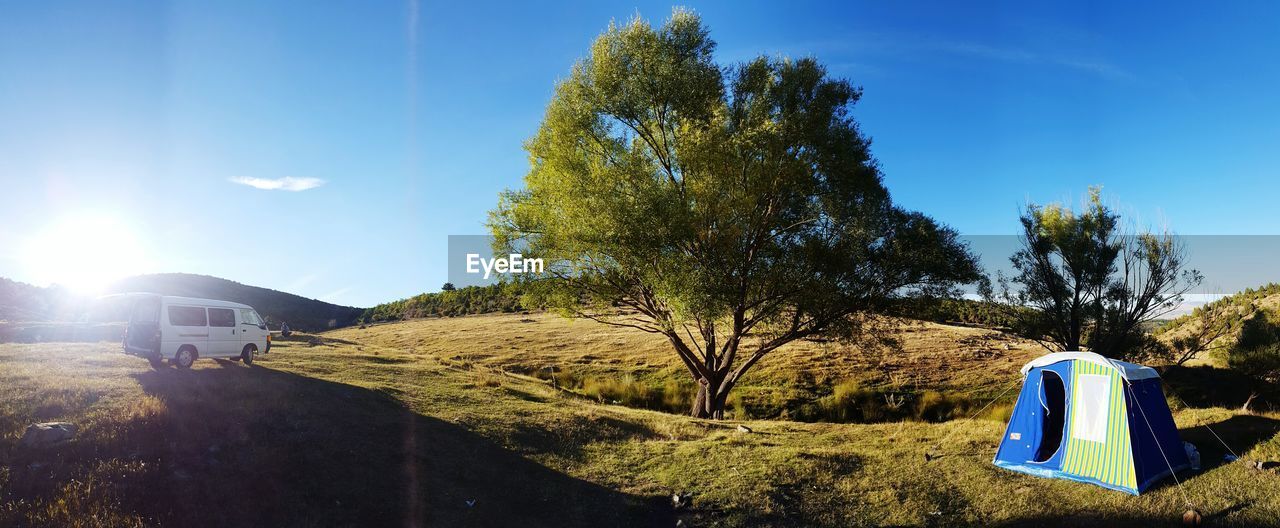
{"type": "Point", "coordinates": [1083, 417]}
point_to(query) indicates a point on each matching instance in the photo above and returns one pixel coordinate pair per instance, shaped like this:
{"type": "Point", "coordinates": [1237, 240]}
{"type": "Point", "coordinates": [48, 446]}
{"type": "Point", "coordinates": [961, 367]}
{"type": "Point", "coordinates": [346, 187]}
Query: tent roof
{"type": "Point", "coordinates": [1128, 370]}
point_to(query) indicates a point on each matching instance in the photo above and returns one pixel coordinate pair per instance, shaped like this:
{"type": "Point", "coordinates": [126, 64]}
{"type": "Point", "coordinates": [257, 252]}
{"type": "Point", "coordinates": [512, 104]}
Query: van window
{"type": "Point", "coordinates": [224, 317]}
{"type": "Point", "coordinates": [186, 316]}
{"type": "Point", "coordinates": [248, 316]}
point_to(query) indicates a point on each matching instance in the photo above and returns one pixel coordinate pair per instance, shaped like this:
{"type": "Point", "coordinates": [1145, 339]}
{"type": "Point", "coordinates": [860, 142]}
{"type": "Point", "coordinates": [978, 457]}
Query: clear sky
{"type": "Point", "coordinates": [146, 137]}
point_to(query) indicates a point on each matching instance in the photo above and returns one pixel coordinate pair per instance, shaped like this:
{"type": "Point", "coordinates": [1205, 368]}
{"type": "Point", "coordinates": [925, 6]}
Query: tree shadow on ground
{"type": "Point", "coordinates": [1241, 433]}
{"type": "Point", "coordinates": [1173, 519]}
{"type": "Point", "coordinates": [1091, 519]}
{"type": "Point", "coordinates": [1204, 386]}
{"type": "Point", "coordinates": [312, 340]}
{"type": "Point", "coordinates": [252, 446]}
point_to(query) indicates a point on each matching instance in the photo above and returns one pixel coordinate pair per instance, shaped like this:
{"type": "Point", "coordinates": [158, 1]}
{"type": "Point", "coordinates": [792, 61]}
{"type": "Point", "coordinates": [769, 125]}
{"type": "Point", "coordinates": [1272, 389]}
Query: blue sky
{"type": "Point", "coordinates": [124, 128]}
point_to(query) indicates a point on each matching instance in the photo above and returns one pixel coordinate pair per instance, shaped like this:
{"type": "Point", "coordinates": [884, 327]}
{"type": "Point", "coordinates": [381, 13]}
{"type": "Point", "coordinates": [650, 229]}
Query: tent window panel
{"type": "Point", "coordinates": [1093, 398]}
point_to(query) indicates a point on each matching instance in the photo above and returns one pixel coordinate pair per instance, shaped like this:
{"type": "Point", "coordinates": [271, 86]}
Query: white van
{"type": "Point", "coordinates": [181, 329]}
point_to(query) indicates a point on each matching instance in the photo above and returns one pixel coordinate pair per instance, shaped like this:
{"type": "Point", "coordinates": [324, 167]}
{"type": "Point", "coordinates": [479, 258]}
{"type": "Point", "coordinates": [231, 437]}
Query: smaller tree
{"type": "Point", "coordinates": [1084, 283]}
{"type": "Point", "coordinates": [448, 286]}
{"type": "Point", "coordinates": [1257, 352]}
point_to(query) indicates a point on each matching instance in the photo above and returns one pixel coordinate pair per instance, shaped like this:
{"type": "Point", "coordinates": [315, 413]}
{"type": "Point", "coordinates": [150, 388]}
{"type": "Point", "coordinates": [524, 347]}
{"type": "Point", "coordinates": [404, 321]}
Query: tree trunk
{"type": "Point", "coordinates": [699, 409]}
{"type": "Point", "coordinates": [717, 408]}
{"type": "Point", "coordinates": [705, 403]}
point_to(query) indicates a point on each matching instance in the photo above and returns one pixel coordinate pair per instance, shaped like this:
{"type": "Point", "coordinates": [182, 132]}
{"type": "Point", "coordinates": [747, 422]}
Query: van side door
{"type": "Point", "coordinates": [188, 325]}
{"type": "Point", "coordinates": [224, 338]}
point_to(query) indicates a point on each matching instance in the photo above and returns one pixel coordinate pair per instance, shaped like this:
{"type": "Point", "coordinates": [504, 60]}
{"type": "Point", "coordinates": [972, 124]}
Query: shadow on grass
{"type": "Point", "coordinates": [312, 340]}
{"type": "Point", "coordinates": [1204, 386]}
{"type": "Point", "coordinates": [1086, 519]}
{"type": "Point", "coordinates": [252, 446]}
{"type": "Point", "coordinates": [1241, 433]}
{"type": "Point", "coordinates": [1110, 520]}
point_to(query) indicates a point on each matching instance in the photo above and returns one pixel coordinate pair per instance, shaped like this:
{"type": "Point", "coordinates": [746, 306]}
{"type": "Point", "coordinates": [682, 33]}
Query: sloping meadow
{"type": "Point", "coordinates": [346, 429]}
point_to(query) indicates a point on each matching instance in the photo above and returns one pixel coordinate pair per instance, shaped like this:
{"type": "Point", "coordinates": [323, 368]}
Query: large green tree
{"type": "Point", "coordinates": [732, 209]}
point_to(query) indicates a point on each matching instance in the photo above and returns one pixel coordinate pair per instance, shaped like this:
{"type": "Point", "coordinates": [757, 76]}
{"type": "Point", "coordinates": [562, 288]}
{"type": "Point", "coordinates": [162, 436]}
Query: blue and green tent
{"type": "Point", "coordinates": [1083, 417]}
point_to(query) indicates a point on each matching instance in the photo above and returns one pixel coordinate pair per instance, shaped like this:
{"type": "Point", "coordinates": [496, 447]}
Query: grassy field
{"type": "Point", "coordinates": [972, 364]}
{"type": "Point", "coordinates": [417, 424]}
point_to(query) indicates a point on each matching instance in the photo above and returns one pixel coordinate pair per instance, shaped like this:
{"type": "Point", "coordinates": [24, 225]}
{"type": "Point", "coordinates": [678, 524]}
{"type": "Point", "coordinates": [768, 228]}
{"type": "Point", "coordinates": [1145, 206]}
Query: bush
{"type": "Point", "coordinates": [672, 397]}
{"type": "Point", "coordinates": [848, 402]}
{"type": "Point", "coordinates": [934, 406]}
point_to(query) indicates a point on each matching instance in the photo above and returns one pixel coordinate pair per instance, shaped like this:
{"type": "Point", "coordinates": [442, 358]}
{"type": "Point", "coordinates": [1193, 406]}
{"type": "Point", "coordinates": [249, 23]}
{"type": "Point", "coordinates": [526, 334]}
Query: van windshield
{"type": "Point", "coordinates": [250, 317]}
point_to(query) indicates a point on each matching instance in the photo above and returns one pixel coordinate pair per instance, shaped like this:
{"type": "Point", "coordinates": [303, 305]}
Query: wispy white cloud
{"type": "Point", "coordinates": [1088, 65]}
{"type": "Point", "coordinates": [871, 50]}
{"type": "Point", "coordinates": [288, 183]}
{"type": "Point", "coordinates": [335, 296]}
{"type": "Point", "coordinates": [302, 281]}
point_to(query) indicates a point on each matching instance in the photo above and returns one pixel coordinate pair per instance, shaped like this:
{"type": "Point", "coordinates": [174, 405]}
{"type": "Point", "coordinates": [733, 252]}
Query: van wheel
{"type": "Point", "coordinates": [185, 357]}
{"type": "Point", "coordinates": [247, 355]}
{"type": "Point", "coordinates": [156, 361]}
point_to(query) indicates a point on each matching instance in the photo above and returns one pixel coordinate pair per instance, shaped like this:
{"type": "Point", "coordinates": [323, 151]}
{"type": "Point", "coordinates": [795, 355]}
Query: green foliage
{"type": "Point", "coordinates": [504, 297]}
{"type": "Point", "coordinates": [966, 311]}
{"type": "Point", "coordinates": [717, 205]}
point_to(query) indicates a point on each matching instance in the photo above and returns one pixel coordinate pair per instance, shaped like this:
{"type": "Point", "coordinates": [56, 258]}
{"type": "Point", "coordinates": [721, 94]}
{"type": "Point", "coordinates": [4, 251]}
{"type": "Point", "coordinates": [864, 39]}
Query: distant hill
{"type": "Point", "coordinates": [20, 301]}
{"type": "Point", "coordinates": [300, 312]}
{"type": "Point", "coordinates": [1227, 313]}
{"type": "Point", "coordinates": [24, 302]}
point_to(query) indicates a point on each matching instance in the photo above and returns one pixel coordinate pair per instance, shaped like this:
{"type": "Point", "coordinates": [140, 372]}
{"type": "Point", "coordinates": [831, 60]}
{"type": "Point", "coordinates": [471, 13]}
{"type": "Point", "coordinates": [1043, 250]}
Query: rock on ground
{"type": "Point", "coordinates": [48, 433]}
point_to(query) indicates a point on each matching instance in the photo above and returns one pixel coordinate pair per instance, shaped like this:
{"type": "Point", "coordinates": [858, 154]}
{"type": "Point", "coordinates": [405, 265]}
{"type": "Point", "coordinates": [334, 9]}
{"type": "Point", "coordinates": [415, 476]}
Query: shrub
{"type": "Point", "coordinates": [934, 406]}
{"type": "Point", "coordinates": [632, 393]}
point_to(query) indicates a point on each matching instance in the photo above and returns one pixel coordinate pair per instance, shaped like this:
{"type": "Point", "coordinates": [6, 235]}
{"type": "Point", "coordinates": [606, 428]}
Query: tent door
{"type": "Point", "coordinates": [1053, 403]}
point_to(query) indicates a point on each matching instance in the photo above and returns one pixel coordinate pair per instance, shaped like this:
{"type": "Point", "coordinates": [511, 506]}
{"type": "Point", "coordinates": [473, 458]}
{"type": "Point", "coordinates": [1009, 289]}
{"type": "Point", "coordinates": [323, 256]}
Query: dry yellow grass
{"type": "Point", "coordinates": [932, 355]}
{"type": "Point", "coordinates": [384, 427]}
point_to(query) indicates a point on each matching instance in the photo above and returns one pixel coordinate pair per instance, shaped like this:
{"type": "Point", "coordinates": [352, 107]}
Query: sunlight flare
{"type": "Point", "coordinates": [84, 252]}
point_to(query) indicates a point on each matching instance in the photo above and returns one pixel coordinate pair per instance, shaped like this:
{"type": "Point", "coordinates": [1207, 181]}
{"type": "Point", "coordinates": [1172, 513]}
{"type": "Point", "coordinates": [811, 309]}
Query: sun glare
{"type": "Point", "coordinates": [84, 253]}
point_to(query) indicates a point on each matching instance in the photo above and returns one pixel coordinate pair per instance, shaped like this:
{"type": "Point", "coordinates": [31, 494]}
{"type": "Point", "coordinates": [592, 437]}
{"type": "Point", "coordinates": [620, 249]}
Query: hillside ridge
{"type": "Point", "coordinates": [25, 302]}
